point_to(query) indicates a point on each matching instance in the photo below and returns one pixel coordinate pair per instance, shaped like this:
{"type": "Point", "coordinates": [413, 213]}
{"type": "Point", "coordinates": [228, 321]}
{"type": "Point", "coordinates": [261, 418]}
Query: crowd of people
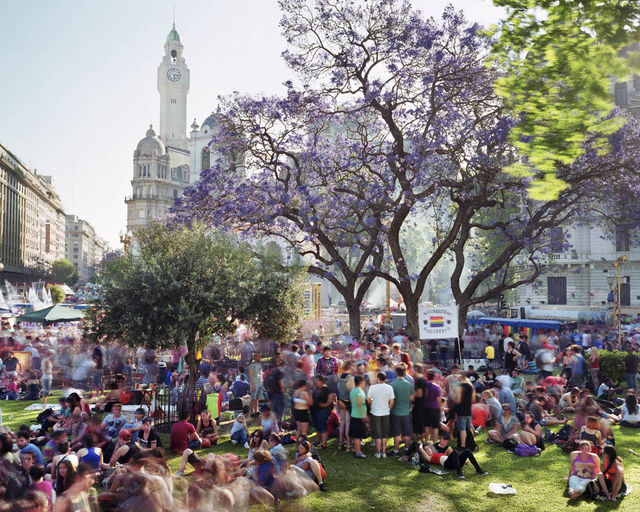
{"type": "Point", "coordinates": [414, 405]}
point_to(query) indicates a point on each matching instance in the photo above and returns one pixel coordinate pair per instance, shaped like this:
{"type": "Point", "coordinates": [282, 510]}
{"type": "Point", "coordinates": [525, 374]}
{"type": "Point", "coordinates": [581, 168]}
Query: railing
{"type": "Point", "coordinates": [150, 197]}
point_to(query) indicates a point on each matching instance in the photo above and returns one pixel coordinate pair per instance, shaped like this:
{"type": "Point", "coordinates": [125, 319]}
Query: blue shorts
{"type": "Point", "coordinates": [463, 423]}
{"type": "Point", "coordinates": [320, 419]}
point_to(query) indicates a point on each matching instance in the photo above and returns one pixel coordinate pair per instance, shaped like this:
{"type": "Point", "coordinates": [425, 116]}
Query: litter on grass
{"type": "Point", "coordinates": [497, 488]}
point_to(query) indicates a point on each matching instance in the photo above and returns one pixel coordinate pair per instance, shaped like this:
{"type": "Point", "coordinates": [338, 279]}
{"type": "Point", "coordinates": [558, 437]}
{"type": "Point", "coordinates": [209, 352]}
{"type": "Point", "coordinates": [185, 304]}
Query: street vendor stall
{"type": "Point", "coordinates": [53, 314]}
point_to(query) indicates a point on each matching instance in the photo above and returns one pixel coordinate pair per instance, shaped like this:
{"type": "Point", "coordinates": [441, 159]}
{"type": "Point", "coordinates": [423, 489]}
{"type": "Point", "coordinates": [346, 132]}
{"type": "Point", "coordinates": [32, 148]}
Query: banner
{"type": "Point", "coordinates": [316, 300]}
{"type": "Point", "coordinates": [438, 322]}
{"type": "Point", "coordinates": [307, 302]}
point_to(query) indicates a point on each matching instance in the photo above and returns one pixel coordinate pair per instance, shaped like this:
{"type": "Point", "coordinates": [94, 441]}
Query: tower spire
{"type": "Point", "coordinates": [174, 15]}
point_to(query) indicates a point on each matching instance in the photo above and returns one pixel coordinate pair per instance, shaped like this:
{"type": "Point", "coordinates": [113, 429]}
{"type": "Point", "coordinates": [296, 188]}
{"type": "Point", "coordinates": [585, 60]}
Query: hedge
{"type": "Point", "coordinates": [611, 365]}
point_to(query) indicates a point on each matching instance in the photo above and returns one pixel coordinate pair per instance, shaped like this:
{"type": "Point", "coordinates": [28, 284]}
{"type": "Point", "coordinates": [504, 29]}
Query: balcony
{"type": "Point", "coordinates": [148, 197]}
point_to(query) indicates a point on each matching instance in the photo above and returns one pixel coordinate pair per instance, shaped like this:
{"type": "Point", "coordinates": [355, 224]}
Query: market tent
{"type": "Point", "coordinates": [516, 322]}
{"type": "Point", "coordinates": [52, 314]}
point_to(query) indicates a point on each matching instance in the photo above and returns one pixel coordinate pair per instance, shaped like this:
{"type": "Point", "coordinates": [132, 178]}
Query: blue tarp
{"type": "Point", "coordinates": [516, 322]}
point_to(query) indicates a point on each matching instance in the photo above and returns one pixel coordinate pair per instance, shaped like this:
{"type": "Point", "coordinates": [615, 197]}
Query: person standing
{"type": "Point", "coordinates": [328, 367]}
{"type": "Point", "coordinates": [401, 426]}
{"type": "Point", "coordinates": [381, 398]}
{"type": "Point", "coordinates": [345, 385]}
{"type": "Point", "coordinates": [576, 363]}
{"type": "Point", "coordinates": [594, 367]}
{"type": "Point", "coordinates": [357, 427]}
{"type": "Point", "coordinates": [256, 390]}
{"type": "Point", "coordinates": [47, 375]}
{"type": "Point", "coordinates": [489, 354]}
{"type": "Point", "coordinates": [630, 365]}
{"type": "Point", "coordinates": [323, 402]}
{"type": "Point", "coordinates": [463, 420]}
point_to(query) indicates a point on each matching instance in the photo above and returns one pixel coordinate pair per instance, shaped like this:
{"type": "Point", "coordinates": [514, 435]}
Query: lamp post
{"type": "Point", "coordinates": [617, 306]}
{"type": "Point", "coordinates": [125, 240]}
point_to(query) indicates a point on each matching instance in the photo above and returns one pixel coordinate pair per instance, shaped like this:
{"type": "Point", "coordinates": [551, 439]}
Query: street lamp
{"type": "Point", "coordinates": [617, 306]}
{"type": "Point", "coordinates": [125, 240]}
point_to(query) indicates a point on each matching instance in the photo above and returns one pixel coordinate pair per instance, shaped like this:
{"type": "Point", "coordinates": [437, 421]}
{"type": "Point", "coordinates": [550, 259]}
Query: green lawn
{"type": "Point", "coordinates": [390, 485]}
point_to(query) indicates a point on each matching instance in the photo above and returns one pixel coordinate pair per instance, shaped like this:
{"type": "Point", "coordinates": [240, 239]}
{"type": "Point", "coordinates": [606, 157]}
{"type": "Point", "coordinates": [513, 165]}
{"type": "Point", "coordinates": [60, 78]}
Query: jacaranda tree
{"type": "Point", "coordinates": [395, 124]}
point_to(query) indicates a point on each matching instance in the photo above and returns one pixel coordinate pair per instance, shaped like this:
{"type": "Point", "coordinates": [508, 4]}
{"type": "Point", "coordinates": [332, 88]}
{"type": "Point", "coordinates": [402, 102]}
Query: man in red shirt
{"type": "Point", "coordinates": [183, 435]}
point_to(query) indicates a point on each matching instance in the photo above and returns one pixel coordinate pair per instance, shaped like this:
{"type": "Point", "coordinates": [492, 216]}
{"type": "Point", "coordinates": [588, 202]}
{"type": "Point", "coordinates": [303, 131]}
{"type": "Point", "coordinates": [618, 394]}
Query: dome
{"type": "Point", "coordinates": [211, 122]}
{"type": "Point", "coordinates": [173, 35]}
{"type": "Point", "coordinates": [151, 145]}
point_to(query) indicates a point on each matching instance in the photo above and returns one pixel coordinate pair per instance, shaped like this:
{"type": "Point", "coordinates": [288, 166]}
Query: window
{"type": "Point", "coordinates": [557, 290]}
{"type": "Point", "coordinates": [622, 238]}
{"type": "Point", "coordinates": [206, 159]}
{"type": "Point", "coordinates": [636, 82]}
{"type": "Point", "coordinates": [621, 94]}
{"type": "Point", "coordinates": [556, 240]}
{"type": "Point", "coordinates": [173, 101]}
{"type": "Point", "coordinates": [625, 291]}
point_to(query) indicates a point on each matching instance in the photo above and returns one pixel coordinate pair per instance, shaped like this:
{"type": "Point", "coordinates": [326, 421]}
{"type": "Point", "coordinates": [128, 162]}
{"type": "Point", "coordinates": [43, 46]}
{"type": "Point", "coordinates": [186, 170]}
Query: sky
{"type": "Point", "coordinates": [78, 88]}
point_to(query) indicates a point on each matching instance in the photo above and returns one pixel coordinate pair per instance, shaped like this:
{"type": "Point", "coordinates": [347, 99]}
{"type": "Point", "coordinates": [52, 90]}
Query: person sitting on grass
{"type": "Point", "coordinates": [264, 474]}
{"type": "Point", "coordinates": [611, 484]}
{"type": "Point", "coordinates": [508, 427]}
{"type": "Point", "coordinates": [585, 467]}
{"type": "Point", "coordinates": [278, 453]}
{"type": "Point", "coordinates": [305, 460]}
{"type": "Point", "coordinates": [207, 429]}
{"type": "Point", "coordinates": [531, 431]}
{"type": "Point", "coordinates": [442, 454]}
{"type": "Point", "coordinates": [239, 433]}
{"type": "Point", "coordinates": [591, 432]}
{"type": "Point", "coordinates": [91, 454]}
{"type": "Point", "coordinates": [569, 400]}
{"type": "Point", "coordinates": [148, 438]}
{"type": "Point", "coordinates": [630, 412]}
{"type": "Point", "coordinates": [125, 449]}
{"type": "Point", "coordinates": [268, 421]}
{"type": "Point", "coordinates": [112, 397]}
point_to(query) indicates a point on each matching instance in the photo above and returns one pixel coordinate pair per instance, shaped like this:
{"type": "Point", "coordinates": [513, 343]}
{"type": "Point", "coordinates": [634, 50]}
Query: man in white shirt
{"type": "Point", "coordinates": [381, 398]}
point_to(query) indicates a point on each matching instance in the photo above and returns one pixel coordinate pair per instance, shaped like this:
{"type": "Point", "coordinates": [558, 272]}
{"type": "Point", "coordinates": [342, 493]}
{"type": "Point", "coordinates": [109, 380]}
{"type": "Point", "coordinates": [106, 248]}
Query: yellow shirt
{"type": "Point", "coordinates": [489, 352]}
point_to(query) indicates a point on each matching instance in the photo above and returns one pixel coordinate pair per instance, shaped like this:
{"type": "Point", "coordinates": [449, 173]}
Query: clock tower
{"type": "Point", "coordinates": [173, 86]}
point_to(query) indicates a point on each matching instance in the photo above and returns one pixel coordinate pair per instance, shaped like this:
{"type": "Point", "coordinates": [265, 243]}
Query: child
{"type": "Point", "coordinates": [239, 431]}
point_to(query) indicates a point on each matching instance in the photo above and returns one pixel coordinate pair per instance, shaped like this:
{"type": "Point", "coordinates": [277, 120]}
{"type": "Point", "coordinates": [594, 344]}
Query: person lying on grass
{"type": "Point", "coordinates": [443, 455]}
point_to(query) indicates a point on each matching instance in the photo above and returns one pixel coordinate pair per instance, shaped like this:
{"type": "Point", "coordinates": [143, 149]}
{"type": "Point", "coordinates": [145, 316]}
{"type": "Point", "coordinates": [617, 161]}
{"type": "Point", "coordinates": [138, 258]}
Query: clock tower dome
{"type": "Point", "coordinates": [173, 86]}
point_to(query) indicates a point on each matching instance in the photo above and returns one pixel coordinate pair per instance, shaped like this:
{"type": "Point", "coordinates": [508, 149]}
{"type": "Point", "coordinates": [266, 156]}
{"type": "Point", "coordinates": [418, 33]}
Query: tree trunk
{"type": "Point", "coordinates": [413, 321]}
{"type": "Point", "coordinates": [353, 308]}
{"type": "Point", "coordinates": [190, 389]}
{"type": "Point", "coordinates": [462, 318]}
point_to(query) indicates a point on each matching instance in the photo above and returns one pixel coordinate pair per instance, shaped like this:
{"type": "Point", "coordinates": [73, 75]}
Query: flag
{"type": "Point", "coordinates": [436, 321]}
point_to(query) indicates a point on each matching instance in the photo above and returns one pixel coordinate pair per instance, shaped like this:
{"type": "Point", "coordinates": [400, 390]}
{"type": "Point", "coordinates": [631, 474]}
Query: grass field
{"type": "Point", "coordinates": [391, 485]}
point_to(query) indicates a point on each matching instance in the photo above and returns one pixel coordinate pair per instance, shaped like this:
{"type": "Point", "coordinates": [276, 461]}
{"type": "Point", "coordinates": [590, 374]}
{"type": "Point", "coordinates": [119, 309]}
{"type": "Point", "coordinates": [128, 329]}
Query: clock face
{"type": "Point", "coordinates": [174, 74]}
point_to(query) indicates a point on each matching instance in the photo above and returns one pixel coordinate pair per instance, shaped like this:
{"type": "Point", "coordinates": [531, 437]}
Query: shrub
{"type": "Point", "coordinates": [611, 365]}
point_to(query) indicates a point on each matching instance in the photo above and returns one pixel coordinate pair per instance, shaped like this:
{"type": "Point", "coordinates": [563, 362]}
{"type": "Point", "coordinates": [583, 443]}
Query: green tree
{"type": "Point", "coordinates": [182, 285]}
{"type": "Point", "coordinates": [57, 295]}
{"type": "Point", "coordinates": [558, 57]}
{"type": "Point", "coordinates": [63, 271]}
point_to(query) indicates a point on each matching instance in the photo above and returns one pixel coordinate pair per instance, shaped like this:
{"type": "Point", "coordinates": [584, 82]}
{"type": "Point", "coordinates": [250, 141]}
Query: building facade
{"type": "Point", "coordinates": [83, 247]}
{"type": "Point", "coordinates": [578, 275]}
{"type": "Point", "coordinates": [32, 220]}
{"type": "Point", "coordinates": [161, 162]}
